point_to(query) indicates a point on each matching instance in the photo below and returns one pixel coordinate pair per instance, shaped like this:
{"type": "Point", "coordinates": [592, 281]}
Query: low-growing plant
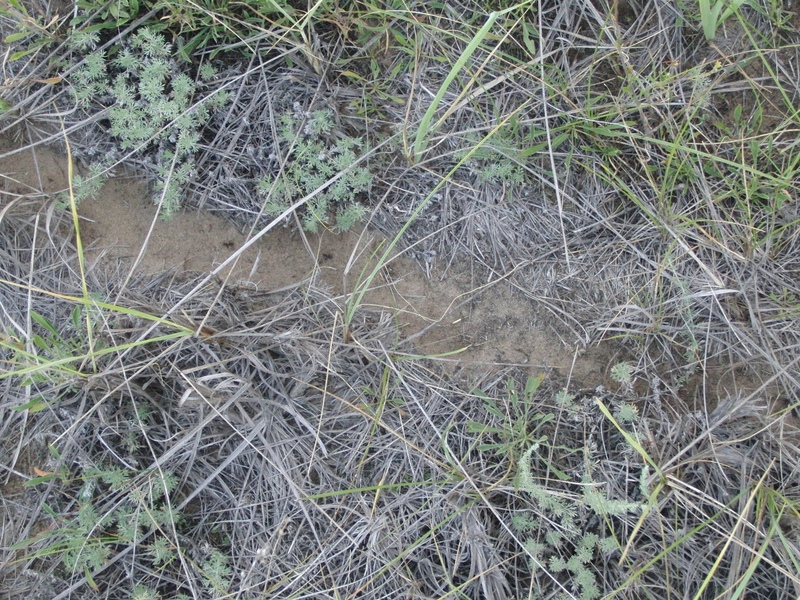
{"type": "Point", "coordinates": [94, 15]}
{"type": "Point", "coordinates": [712, 15]}
{"type": "Point", "coordinates": [202, 24]}
{"type": "Point", "coordinates": [154, 107]}
{"type": "Point", "coordinates": [52, 350]}
{"type": "Point", "coordinates": [622, 373]}
{"type": "Point", "coordinates": [193, 25]}
{"type": "Point", "coordinates": [116, 509]}
{"type": "Point", "coordinates": [572, 521]}
{"type": "Point", "coordinates": [518, 420]}
{"type": "Point", "coordinates": [85, 186]}
{"type": "Point", "coordinates": [498, 162]}
{"type": "Point", "coordinates": [313, 154]}
{"type": "Point", "coordinates": [32, 32]}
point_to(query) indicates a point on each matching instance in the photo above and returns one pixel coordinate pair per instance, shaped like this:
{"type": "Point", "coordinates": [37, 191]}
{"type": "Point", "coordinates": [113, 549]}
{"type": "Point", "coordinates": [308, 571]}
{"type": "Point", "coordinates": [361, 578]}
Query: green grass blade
{"type": "Point", "coordinates": [423, 131]}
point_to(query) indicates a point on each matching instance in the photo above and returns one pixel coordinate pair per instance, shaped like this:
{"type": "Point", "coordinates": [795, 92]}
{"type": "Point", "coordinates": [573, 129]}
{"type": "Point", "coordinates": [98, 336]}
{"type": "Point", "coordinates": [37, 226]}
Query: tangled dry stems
{"type": "Point", "coordinates": [320, 467]}
{"type": "Point", "coordinates": [316, 477]}
{"type": "Point", "coordinates": [647, 245]}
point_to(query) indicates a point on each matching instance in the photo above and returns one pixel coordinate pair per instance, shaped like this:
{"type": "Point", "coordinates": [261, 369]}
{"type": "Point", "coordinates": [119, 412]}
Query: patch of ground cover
{"type": "Point", "coordinates": [622, 216]}
{"type": "Point", "coordinates": [645, 215]}
{"type": "Point", "coordinates": [227, 461]}
{"type": "Point", "coordinates": [267, 457]}
{"type": "Point", "coordinates": [483, 323]}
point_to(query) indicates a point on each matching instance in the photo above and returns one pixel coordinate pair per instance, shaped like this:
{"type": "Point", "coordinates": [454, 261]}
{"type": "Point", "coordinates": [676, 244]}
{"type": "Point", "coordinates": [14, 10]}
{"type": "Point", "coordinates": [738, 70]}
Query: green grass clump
{"type": "Point", "coordinates": [518, 423]}
{"type": "Point", "coordinates": [712, 15]}
{"type": "Point", "coordinates": [195, 26]}
{"type": "Point", "coordinates": [97, 16]}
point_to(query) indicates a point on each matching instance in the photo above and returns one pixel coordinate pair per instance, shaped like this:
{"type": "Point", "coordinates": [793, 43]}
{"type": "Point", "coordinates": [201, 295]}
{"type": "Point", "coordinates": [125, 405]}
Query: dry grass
{"type": "Point", "coordinates": [211, 442]}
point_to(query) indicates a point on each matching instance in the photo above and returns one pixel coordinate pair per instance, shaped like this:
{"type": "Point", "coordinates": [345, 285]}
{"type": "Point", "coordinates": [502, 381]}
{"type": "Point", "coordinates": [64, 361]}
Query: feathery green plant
{"type": "Point", "coordinates": [85, 186]}
{"type": "Point", "coordinates": [555, 537]}
{"type": "Point", "coordinates": [156, 107]}
{"type": "Point", "coordinates": [554, 532]}
{"type": "Point", "coordinates": [622, 373]}
{"type": "Point", "coordinates": [313, 156]}
{"type": "Point", "coordinates": [140, 515]}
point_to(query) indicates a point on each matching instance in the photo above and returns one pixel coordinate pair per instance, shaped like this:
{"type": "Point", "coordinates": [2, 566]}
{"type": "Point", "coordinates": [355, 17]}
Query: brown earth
{"type": "Point", "coordinates": [468, 325]}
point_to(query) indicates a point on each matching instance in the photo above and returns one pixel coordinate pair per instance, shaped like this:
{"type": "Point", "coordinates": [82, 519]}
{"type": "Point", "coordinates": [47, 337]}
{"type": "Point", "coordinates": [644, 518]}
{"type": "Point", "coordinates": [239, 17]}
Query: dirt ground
{"type": "Point", "coordinates": [468, 323]}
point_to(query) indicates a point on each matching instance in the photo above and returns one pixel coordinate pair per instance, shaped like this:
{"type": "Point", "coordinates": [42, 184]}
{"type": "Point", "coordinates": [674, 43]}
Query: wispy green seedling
{"type": "Point", "coordinates": [426, 128]}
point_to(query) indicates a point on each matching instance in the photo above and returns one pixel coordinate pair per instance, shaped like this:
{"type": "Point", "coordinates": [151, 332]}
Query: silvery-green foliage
{"type": "Point", "coordinates": [142, 592]}
{"type": "Point", "coordinates": [140, 518]}
{"type": "Point", "coordinates": [622, 373]}
{"type": "Point", "coordinates": [217, 571]}
{"type": "Point", "coordinates": [85, 186]}
{"type": "Point", "coordinates": [627, 413]}
{"type": "Point", "coordinates": [161, 551]}
{"type": "Point", "coordinates": [494, 160]}
{"type": "Point", "coordinates": [313, 155]}
{"type": "Point", "coordinates": [555, 534]}
{"type": "Point", "coordinates": [596, 500]}
{"type": "Point", "coordinates": [153, 106]}
{"type": "Point", "coordinates": [565, 400]}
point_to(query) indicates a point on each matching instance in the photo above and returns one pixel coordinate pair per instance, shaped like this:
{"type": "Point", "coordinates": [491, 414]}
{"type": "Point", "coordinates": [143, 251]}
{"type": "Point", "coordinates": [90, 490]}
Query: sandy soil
{"type": "Point", "coordinates": [470, 324]}
{"type": "Point", "coordinates": [485, 324]}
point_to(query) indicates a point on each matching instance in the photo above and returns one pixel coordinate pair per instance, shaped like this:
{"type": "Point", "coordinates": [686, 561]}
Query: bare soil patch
{"type": "Point", "coordinates": [466, 322]}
